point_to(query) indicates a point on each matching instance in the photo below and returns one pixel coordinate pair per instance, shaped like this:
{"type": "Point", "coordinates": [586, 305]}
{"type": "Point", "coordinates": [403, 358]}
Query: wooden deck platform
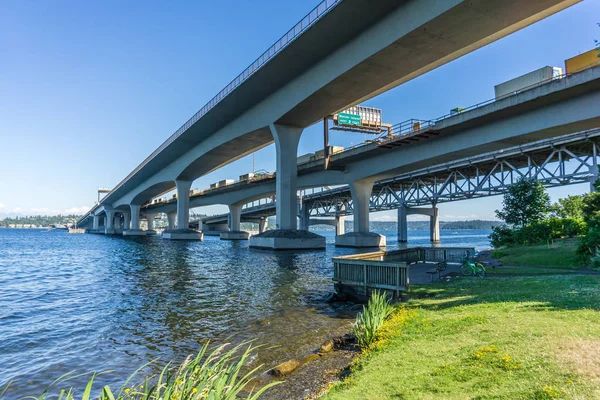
{"type": "Point", "coordinates": [359, 274]}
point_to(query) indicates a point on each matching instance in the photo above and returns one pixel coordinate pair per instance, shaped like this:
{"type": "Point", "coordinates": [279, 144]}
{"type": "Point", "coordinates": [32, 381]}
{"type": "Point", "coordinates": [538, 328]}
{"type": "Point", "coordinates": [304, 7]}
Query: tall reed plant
{"type": "Point", "coordinates": [371, 318]}
{"type": "Point", "coordinates": [215, 375]}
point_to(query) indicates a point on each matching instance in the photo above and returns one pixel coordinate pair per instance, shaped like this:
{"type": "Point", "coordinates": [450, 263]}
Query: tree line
{"type": "Point", "coordinates": [530, 219]}
{"type": "Point", "coordinates": [40, 220]}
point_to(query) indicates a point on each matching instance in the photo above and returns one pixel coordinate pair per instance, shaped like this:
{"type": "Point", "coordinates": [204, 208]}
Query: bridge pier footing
{"type": "Point", "coordinates": [109, 223]}
{"type": "Point", "coordinates": [235, 235]}
{"type": "Point", "coordinates": [235, 218]}
{"type": "Point", "coordinates": [287, 236]}
{"type": "Point", "coordinates": [134, 232]}
{"type": "Point", "coordinates": [262, 225]}
{"type": "Point", "coordinates": [183, 232]}
{"type": "Point", "coordinates": [132, 227]}
{"type": "Point", "coordinates": [150, 222]}
{"type": "Point", "coordinates": [361, 237]}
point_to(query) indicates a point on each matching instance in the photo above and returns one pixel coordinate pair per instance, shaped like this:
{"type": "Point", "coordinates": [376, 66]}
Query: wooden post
{"type": "Point", "coordinates": [365, 277]}
{"type": "Point", "coordinates": [397, 281]}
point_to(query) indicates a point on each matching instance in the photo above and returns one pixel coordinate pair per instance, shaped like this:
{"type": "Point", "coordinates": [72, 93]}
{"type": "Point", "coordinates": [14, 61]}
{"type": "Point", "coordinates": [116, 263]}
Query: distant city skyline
{"type": "Point", "coordinates": [92, 89]}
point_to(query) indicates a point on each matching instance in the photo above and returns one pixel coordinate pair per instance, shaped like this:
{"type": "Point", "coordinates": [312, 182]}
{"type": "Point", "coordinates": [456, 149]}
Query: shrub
{"type": "Point", "coordinates": [215, 375]}
{"type": "Point", "coordinates": [588, 247]}
{"type": "Point", "coordinates": [502, 236]}
{"type": "Point", "coordinates": [537, 232]}
{"type": "Point", "coordinates": [371, 318]}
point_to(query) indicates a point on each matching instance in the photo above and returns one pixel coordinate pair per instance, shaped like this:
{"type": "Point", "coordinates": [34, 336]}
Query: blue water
{"type": "Point", "coordinates": [99, 303]}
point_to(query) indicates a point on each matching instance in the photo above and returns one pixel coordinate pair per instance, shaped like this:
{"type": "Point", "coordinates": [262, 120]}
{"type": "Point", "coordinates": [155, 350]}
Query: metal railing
{"type": "Point", "coordinates": [415, 125]}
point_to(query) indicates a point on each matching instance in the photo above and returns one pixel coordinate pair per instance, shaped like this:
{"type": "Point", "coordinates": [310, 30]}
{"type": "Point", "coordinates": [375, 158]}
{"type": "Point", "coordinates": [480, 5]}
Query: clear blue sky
{"type": "Point", "coordinates": [89, 89]}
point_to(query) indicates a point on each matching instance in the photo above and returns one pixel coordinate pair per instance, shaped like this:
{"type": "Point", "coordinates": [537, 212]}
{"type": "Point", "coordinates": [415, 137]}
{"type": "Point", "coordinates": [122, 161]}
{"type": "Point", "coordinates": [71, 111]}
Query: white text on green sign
{"type": "Point", "coordinates": [349, 119]}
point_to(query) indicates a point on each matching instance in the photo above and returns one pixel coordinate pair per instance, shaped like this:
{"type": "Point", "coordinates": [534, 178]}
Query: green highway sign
{"type": "Point", "coordinates": [349, 119]}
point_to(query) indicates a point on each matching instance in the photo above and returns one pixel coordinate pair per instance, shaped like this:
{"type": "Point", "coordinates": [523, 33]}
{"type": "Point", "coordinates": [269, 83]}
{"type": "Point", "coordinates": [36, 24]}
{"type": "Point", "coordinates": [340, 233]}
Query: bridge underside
{"type": "Point", "coordinates": [370, 48]}
{"type": "Point", "coordinates": [566, 160]}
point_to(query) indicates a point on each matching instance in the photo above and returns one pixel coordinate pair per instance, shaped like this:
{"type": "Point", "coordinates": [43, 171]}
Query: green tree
{"type": "Point", "coordinates": [570, 207]}
{"type": "Point", "coordinates": [525, 202]}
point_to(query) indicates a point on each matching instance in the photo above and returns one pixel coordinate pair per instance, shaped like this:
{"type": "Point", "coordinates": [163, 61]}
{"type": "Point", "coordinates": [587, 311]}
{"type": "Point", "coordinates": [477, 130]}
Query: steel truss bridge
{"type": "Point", "coordinates": [564, 160]}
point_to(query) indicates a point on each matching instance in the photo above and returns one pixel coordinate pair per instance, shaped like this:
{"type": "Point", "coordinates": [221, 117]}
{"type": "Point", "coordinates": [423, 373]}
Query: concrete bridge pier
{"type": "Point", "coordinates": [340, 221]}
{"type": "Point", "coordinates": [118, 223]}
{"type": "Point", "coordinates": [126, 221]}
{"type": "Point", "coordinates": [95, 224]}
{"type": "Point", "coordinates": [287, 236]}
{"type": "Point", "coordinates": [134, 229]}
{"type": "Point", "coordinates": [235, 217]}
{"type": "Point", "coordinates": [109, 227]}
{"type": "Point", "coordinates": [171, 220]}
{"type": "Point", "coordinates": [102, 224]}
{"type": "Point", "coordinates": [263, 224]}
{"type": "Point", "coordinates": [150, 222]}
{"type": "Point", "coordinates": [340, 225]}
{"type": "Point", "coordinates": [434, 222]}
{"type": "Point", "coordinates": [304, 214]}
{"type": "Point", "coordinates": [594, 171]}
{"type": "Point", "coordinates": [183, 232]}
{"type": "Point", "coordinates": [402, 224]}
{"type": "Point", "coordinates": [215, 229]}
{"type": "Point", "coordinates": [434, 225]}
{"type": "Point", "coordinates": [361, 237]}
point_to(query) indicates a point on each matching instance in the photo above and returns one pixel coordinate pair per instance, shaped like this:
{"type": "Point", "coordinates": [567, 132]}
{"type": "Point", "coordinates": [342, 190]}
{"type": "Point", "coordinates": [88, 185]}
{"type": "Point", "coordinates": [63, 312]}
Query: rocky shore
{"type": "Point", "coordinates": [305, 378]}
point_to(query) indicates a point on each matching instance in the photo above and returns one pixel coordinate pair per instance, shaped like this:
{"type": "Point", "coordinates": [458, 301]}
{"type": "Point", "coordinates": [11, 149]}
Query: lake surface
{"type": "Point", "coordinates": [99, 303]}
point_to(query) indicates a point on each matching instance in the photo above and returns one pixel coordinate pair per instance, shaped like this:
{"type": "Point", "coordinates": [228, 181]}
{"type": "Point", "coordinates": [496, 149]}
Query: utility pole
{"type": "Point", "coordinates": [326, 141]}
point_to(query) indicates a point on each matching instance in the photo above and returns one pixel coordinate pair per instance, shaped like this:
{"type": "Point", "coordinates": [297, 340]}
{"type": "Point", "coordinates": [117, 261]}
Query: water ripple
{"type": "Point", "coordinates": [96, 303]}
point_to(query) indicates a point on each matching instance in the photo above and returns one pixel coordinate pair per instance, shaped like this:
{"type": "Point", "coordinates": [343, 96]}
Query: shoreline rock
{"type": "Point", "coordinates": [285, 369]}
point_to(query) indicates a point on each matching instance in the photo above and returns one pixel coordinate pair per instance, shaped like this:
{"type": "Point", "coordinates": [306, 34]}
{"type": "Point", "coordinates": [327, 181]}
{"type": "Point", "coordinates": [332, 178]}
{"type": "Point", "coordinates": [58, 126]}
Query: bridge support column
{"type": "Point", "coordinates": [117, 224]}
{"type": "Point", "coordinates": [361, 237]}
{"type": "Point", "coordinates": [340, 221]}
{"type": "Point", "coordinates": [262, 224]}
{"type": "Point", "coordinates": [594, 171]}
{"type": "Point", "coordinates": [102, 226]}
{"type": "Point", "coordinates": [109, 227]}
{"type": "Point", "coordinates": [134, 229]}
{"type": "Point", "coordinates": [403, 224]}
{"type": "Point", "coordinates": [183, 231]}
{"type": "Point", "coordinates": [95, 223]}
{"type": "Point", "coordinates": [304, 217]}
{"type": "Point", "coordinates": [434, 224]}
{"type": "Point", "coordinates": [171, 220]}
{"type": "Point", "coordinates": [235, 218]}
{"type": "Point", "coordinates": [287, 236]}
{"type": "Point", "coordinates": [150, 222]}
{"type": "Point", "coordinates": [126, 221]}
{"type": "Point", "coordinates": [340, 225]}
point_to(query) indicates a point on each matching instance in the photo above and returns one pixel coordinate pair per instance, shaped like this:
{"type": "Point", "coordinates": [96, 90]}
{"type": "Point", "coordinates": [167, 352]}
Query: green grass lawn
{"type": "Point", "coordinates": [561, 254]}
{"type": "Point", "coordinates": [504, 338]}
{"type": "Point", "coordinates": [525, 271]}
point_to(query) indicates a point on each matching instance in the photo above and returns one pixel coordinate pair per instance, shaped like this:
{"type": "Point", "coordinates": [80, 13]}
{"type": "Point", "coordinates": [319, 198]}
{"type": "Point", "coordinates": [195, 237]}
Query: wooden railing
{"type": "Point", "coordinates": [365, 275]}
{"type": "Point", "coordinates": [390, 270]}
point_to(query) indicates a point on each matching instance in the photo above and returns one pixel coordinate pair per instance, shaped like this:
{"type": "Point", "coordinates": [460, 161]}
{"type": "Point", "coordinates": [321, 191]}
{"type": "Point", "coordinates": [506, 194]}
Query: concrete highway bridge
{"type": "Point", "coordinates": [341, 54]}
{"type": "Point", "coordinates": [564, 160]}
